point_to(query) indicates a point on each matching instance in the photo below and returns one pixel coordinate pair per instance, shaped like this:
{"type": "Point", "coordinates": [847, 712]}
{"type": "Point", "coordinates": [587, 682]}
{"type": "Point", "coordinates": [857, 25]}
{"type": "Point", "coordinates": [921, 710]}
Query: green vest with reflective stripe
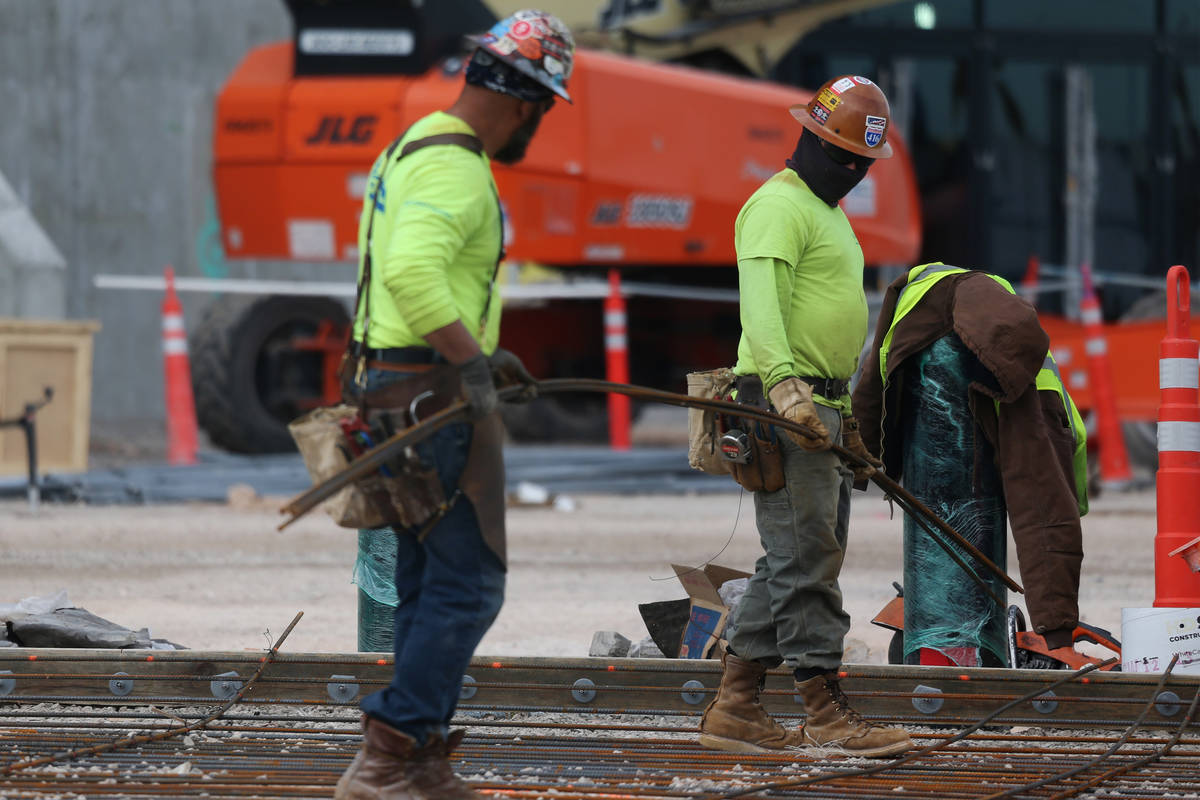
{"type": "Point", "coordinates": [920, 280]}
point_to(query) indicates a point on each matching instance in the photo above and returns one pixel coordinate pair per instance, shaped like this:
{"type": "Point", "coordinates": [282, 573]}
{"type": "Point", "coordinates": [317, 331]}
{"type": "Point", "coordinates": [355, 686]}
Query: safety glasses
{"type": "Point", "coordinates": [842, 156]}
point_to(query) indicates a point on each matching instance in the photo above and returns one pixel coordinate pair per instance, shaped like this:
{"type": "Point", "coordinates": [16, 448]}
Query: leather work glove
{"type": "Point", "coordinates": [793, 400]}
{"type": "Point", "coordinates": [508, 370]}
{"type": "Point", "coordinates": [478, 390]}
{"type": "Point", "coordinates": [852, 441]}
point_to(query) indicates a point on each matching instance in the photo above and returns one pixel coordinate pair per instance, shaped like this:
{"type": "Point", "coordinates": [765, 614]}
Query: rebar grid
{"type": "Point", "coordinates": [299, 748]}
{"type": "Point", "coordinates": [286, 751]}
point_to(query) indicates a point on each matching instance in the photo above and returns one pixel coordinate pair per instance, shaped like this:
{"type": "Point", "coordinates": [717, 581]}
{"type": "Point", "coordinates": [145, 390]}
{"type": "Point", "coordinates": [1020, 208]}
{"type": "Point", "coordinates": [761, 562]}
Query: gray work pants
{"type": "Point", "coordinates": [792, 610]}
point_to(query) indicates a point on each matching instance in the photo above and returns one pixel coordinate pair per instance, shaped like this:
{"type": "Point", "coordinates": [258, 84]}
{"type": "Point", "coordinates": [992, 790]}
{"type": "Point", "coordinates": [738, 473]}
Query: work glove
{"type": "Point", "coordinates": [852, 441]}
{"type": "Point", "coordinates": [508, 370]}
{"type": "Point", "coordinates": [478, 390]}
{"type": "Point", "coordinates": [793, 400]}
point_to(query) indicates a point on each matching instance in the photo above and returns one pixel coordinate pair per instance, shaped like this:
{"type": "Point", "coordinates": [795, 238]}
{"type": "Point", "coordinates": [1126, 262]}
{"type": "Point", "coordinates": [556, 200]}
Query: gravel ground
{"type": "Point", "coordinates": [221, 577]}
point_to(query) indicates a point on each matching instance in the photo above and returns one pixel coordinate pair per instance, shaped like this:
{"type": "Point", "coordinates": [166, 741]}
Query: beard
{"type": "Point", "coordinates": [514, 149]}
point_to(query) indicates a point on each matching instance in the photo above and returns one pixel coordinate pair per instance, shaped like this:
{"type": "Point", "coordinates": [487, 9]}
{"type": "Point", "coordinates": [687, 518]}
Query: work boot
{"type": "Point", "coordinates": [431, 774]}
{"type": "Point", "coordinates": [735, 720]}
{"type": "Point", "coordinates": [380, 769]}
{"type": "Point", "coordinates": [833, 723]}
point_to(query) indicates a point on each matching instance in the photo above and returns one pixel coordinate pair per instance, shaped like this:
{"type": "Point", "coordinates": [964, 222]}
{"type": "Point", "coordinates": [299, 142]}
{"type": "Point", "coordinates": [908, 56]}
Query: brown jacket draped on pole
{"type": "Point", "coordinates": [1029, 429]}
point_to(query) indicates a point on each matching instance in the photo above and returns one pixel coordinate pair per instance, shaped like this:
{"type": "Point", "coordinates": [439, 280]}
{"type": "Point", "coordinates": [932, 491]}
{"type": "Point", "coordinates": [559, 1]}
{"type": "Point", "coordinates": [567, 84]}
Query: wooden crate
{"type": "Point", "coordinates": [35, 354]}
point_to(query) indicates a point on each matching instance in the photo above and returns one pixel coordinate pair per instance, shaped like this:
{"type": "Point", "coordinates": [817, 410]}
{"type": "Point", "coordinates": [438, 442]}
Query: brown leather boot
{"type": "Point", "coordinates": [833, 723]}
{"type": "Point", "coordinates": [431, 774]}
{"type": "Point", "coordinates": [735, 720]}
{"type": "Point", "coordinates": [379, 770]}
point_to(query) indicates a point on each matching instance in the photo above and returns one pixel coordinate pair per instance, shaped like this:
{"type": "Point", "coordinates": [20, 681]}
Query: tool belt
{"type": "Point", "coordinates": [758, 459]}
{"type": "Point", "coordinates": [829, 388]}
{"type": "Point", "coordinates": [723, 444]}
{"type": "Point", "coordinates": [405, 492]}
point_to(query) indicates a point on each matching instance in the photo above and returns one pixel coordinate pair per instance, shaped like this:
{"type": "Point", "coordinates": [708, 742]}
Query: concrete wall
{"type": "Point", "coordinates": [105, 136]}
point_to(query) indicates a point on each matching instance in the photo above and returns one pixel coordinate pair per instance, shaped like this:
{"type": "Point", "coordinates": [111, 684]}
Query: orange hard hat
{"type": "Point", "coordinates": [850, 112]}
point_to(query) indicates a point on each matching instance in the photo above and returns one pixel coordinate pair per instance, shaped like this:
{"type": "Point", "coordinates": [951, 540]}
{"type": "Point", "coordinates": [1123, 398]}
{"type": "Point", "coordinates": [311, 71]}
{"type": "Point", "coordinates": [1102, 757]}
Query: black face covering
{"type": "Point", "coordinates": [828, 180]}
{"type": "Point", "coordinates": [514, 149]}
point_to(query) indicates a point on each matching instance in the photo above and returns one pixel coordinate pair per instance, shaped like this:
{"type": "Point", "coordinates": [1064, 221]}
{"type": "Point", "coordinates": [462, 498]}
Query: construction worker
{"type": "Point", "coordinates": [1010, 431]}
{"type": "Point", "coordinates": [804, 322]}
{"type": "Point", "coordinates": [431, 241]}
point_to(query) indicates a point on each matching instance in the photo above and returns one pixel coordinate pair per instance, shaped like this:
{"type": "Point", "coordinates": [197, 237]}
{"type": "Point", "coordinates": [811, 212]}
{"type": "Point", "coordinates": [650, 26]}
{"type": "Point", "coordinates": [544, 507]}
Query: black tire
{"type": "Point", "coordinates": [248, 380]}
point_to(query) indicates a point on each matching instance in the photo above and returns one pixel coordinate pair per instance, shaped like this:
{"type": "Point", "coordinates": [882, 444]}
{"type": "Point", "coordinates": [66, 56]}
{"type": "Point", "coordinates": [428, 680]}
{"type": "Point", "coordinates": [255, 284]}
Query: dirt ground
{"type": "Point", "coordinates": [220, 577]}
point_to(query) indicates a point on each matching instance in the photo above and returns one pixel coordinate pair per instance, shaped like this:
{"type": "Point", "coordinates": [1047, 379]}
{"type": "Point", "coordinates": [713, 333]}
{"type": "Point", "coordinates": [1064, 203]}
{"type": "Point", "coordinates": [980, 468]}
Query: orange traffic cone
{"type": "Point", "coordinates": [1114, 460]}
{"type": "Point", "coordinates": [1029, 283]}
{"type": "Point", "coordinates": [616, 347]}
{"type": "Point", "coordinates": [1176, 584]}
{"type": "Point", "coordinates": [181, 408]}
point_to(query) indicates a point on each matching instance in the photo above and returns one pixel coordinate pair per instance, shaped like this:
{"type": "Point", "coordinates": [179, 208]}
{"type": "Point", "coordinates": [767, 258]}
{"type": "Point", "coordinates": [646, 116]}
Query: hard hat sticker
{"type": "Point", "coordinates": [828, 99]}
{"type": "Point", "coordinates": [504, 45]}
{"type": "Point", "coordinates": [842, 85]}
{"type": "Point", "coordinates": [819, 113]}
{"type": "Point", "coordinates": [875, 127]}
{"type": "Point", "coordinates": [862, 80]}
{"type": "Point", "coordinates": [530, 48]}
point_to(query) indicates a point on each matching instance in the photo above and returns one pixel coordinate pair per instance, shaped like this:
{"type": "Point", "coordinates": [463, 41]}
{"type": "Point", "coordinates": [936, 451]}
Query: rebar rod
{"type": "Point", "coordinates": [1116, 745]}
{"type": "Point", "coordinates": [131, 740]}
{"type": "Point", "coordinates": [456, 412]}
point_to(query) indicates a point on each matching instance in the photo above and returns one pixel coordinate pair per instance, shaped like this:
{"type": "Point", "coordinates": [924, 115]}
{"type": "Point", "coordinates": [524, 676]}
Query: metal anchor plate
{"type": "Point", "coordinates": [121, 684]}
{"type": "Point", "coordinates": [693, 692]}
{"type": "Point", "coordinates": [931, 703]}
{"type": "Point", "coordinates": [341, 688]}
{"type": "Point", "coordinates": [1045, 703]}
{"type": "Point", "coordinates": [1167, 704]}
{"type": "Point", "coordinates": [584, 691]}
{"type": "Point", "coordinates": [225, 685]}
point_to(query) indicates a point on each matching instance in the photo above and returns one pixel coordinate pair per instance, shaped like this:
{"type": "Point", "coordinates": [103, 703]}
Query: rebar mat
{"type": "Point", "coordinates": [299, 751]}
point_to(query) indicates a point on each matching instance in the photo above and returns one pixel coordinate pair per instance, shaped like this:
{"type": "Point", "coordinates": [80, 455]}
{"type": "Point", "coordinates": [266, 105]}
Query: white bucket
{"type": "Point", "coordinates": [1150, 637]}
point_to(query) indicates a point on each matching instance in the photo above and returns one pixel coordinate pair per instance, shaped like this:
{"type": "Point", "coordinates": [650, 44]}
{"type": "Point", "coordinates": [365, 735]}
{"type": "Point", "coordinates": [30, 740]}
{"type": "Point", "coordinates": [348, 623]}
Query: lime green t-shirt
{"type": "Point", "coordinates": [435, 241]}
{"type": "Point", "coordinates": [800, 273]}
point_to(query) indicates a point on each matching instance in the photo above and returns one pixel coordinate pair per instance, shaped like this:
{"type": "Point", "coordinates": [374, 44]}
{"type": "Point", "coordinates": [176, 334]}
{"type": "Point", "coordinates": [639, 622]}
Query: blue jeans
{"type": "Point", "coordinates": [450, 588]}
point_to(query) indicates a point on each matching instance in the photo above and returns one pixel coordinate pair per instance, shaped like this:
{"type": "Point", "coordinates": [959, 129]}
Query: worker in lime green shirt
{"type": "Point", "coordinates": [426, 325]}
{"type": "Point", "coordinates": [804, 322]}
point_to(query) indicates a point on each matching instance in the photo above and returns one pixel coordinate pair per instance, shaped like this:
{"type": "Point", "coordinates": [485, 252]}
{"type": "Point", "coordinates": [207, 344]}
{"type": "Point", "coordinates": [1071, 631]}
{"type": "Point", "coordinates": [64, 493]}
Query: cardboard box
{"type": "Point", "coordinates": [707, 614]}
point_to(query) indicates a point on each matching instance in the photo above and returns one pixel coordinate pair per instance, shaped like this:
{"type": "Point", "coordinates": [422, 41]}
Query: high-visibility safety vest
{"type": "Point", "coordinates": [920, 280]}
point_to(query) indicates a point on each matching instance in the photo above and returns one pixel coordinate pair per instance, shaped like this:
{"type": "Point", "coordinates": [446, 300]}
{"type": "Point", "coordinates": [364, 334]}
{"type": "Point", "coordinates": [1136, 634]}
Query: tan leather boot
{"type": "Point", "coordinates": [379, 770]}
{"type": "Point", "coordinates": [735, 720]}
{"type": "Point", "coordinates": [833, 723]}
{"type": "Point", "coordinates": [432, 775]}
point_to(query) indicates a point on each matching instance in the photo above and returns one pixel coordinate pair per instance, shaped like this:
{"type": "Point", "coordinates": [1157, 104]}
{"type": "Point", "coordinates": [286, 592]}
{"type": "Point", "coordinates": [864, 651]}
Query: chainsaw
{"type": "Point", "coordinates": [1026, 649]}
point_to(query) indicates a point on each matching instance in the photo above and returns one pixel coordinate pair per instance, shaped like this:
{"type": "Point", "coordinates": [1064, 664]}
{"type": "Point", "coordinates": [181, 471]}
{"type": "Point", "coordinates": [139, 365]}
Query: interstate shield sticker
{"type": "Point", "coordinates": [873, 134]}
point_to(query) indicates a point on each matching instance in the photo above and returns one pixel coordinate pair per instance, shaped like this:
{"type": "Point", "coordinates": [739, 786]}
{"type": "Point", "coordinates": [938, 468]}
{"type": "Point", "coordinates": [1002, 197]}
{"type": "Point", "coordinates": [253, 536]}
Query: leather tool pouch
{"type": "Point", "coordinates": [405, 492]}
{"type": "Point", "coordinates": [704, 447]}
{"type": "Point", "coordinates": [763, 471]}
